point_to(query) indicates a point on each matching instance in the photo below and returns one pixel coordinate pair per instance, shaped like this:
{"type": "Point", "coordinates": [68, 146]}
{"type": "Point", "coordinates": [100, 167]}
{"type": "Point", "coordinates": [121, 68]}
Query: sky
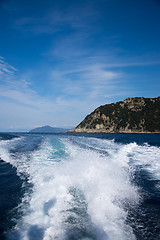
{"type": "Point", "coordinates": [61, 59]}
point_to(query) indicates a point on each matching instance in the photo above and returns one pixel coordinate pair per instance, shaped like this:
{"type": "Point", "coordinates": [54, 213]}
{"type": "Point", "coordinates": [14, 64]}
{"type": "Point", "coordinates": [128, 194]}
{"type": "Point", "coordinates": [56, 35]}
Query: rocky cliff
{"type": "Point", "coordinates": [133, 115]}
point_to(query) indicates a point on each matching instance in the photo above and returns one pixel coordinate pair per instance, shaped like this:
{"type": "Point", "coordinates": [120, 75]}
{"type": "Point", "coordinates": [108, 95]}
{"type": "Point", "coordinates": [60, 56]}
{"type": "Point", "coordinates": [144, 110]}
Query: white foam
{"type": "Point", "coordinates": [101, 176]}
{"type": "Point", "coordinates": [148, 158]}
{"type": "Point", "coordinates": [104, 181]}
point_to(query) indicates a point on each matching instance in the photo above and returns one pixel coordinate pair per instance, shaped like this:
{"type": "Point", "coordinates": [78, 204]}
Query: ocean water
{"type": "Point", "coordinates": [79, 186]}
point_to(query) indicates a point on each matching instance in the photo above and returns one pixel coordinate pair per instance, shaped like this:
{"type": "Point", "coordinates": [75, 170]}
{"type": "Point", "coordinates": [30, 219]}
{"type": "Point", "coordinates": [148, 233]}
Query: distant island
{"type": "Point", "coordinates": [48, 129]}
{"type": "Point", "coordinates": [133, 115]}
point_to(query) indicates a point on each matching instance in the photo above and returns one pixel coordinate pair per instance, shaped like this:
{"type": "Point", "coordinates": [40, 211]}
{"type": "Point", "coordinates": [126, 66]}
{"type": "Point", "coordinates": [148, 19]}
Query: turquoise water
{"type": "Point", "coordinates": [80, 186]}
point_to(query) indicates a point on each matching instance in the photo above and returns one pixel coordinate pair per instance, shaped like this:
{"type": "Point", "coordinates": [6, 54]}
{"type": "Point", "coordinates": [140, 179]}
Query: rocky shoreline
{"type": "Point", "coordinates": [133, 115]}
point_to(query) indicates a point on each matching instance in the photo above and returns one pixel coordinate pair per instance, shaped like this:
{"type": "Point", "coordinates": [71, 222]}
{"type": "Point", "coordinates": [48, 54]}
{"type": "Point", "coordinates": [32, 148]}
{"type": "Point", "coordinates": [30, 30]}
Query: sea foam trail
{"type": "Point", "coordinates": [148, 157]}
{"type": "Point", "coordinates": [82, 187]}
{"type": "Point", "coordinates": [78, 192]}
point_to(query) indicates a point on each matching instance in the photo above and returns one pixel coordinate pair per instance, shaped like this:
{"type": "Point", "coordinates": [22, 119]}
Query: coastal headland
{"type": "Point", "coordinates": [133, 115]}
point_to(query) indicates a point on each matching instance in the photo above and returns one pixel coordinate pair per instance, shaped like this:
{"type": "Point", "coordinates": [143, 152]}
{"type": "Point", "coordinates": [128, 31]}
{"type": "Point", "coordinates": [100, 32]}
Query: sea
{"type": "Point", "coordinates": [79, 186]}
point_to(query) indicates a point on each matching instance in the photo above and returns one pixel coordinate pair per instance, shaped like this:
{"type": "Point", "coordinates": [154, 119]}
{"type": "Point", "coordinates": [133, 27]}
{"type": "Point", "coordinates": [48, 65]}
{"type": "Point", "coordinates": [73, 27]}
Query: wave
{"type": "Point", "coordinates": [82, 188]}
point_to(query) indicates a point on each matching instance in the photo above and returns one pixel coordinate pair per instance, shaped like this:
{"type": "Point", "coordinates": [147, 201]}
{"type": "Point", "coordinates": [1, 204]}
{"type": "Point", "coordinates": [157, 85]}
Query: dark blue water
{"type": "Point", "coordinates": [17, 161]}
{"type": "Point", "coordinates": [10, 195]}
{"type": "Point", "coordinates": [124, 138]}
{"type": "Point", "coordinates": [12, 185]}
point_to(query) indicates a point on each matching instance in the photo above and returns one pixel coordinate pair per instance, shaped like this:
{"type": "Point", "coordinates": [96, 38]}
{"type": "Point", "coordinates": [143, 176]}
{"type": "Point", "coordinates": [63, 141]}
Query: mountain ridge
{"type": "Point", "coordinates": [48, 129]}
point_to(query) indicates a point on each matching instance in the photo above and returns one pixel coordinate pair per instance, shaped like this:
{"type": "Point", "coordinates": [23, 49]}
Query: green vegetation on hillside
{"type": "Point", "coordinates": [133, 114]}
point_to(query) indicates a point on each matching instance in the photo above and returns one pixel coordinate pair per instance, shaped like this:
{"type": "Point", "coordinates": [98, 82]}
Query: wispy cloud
{"type": "Point", "coordinates": [19, 90]}
{"type": "Point", "coordinates": [19, 98]}
{"type": "Point", "coordinates": [6, 68]}
{"type": "Point", "coordinates": [85, 88]}
{"type": "Point", "coordinates": [88, 81]}
{"type": "Point", "coordinates": [74, 16]}
{"type": "Point", "coordinates": [82, 60]}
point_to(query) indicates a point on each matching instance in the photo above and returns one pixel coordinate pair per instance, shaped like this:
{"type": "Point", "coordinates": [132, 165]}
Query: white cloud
{"type": "Point", "coordinates": [6, 68]}
{"type": "Point", "coordinates": [86, 80]}
{"type": "Point", "coordinates": [79, 89]}
{"type": "Point", "coordinates": [55, 19]}
{"type": "Point", "coordinates": [23, 107]}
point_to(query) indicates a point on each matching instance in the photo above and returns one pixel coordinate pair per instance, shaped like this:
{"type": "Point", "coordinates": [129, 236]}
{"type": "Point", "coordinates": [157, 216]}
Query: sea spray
{"type": "Point", "coordinates": [104, 183]}
{"type": "Point", "coordinates": [82, 188]}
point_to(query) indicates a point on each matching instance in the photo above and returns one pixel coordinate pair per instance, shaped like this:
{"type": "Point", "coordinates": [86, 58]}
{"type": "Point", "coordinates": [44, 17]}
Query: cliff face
{"type": "Point", "coordinates": [133, 115]}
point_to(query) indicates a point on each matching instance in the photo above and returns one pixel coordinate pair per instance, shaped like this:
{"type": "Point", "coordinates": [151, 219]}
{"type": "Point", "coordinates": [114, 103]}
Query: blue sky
{"type": "Point", "coordinates": [59, 60]}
